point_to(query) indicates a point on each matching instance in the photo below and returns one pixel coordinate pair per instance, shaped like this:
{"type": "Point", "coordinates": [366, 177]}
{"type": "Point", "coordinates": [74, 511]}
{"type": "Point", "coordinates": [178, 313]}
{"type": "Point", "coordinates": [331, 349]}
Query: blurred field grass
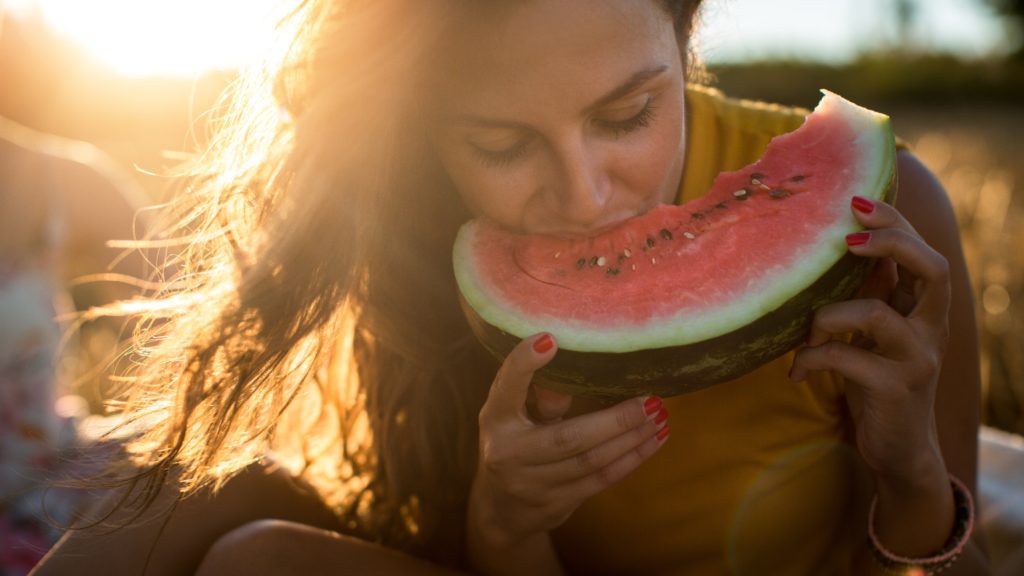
{"type": "Point", "coordinates": [978, 154]}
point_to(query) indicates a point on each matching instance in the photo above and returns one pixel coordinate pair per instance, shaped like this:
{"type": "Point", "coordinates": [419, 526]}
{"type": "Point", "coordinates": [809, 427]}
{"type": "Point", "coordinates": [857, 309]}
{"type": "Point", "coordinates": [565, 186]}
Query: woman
{"type": "Point", "coordinates": [320, 321]}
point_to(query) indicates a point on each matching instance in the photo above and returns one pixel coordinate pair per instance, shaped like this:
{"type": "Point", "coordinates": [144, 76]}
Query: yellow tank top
{"type": "Point", "coordinates": [757, 476]}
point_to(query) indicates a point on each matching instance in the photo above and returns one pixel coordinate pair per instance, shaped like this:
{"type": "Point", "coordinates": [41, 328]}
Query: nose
{"type": "Point", "coordinates": [581, 187]}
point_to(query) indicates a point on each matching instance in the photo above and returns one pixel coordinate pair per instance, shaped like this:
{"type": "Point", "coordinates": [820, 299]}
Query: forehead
{"type": "Point", "coordinates": [538, 52]}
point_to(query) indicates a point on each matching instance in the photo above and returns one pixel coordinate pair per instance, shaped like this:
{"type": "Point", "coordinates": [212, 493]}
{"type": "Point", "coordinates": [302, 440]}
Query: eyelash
{"type": "Point", "coordinates": [504, 157]}
{"type": "Point", "coordinates": [623, 127]}
{"type": "Point", "coordinates": [617, 129]}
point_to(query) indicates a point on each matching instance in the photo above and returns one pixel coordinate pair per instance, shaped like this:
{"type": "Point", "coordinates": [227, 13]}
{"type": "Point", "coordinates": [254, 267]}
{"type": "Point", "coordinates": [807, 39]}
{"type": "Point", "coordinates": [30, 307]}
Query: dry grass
{"type": "Point", "coordinates": [978, 154]}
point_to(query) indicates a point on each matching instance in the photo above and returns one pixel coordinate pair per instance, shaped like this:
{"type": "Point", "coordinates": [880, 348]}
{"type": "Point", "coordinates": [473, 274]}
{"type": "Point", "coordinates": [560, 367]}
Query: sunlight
{"type": "Point", "coordinates": [157, 37]}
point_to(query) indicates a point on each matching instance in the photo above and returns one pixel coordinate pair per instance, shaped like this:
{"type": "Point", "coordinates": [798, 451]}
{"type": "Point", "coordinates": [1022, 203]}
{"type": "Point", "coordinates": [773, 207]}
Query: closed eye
{"type": "Point", "coordinates": [504, 156]}
{"type": "Point", "coordinates": [639, 120]}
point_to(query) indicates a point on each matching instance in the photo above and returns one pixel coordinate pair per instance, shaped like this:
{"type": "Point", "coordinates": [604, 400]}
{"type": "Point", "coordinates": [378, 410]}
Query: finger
{"type": "Point", "coordinates": [877, 215]}
{"type": "Point", "coordinates": [856, 364]}
{"type": "Point", "coordinates": [507, 397]}
{"type": "Point", "coordinates": [549, 405]}
{"type": "Point", "coordinates": [615, 471]}
{"type": "Point", "coordinates": [874, 214]}
{"type": "Point", "coordinates": [881, 282]}
{"type": "Point", "coordinates": [871, 317]}
{"type": "Point", "coordinates": [595, 459]}
{"type": "Point", "coordinates": [921, 260]}
{"type": "Point", "coordinates": [556, 442]}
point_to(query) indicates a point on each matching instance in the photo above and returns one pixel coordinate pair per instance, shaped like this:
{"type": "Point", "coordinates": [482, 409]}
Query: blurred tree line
{"type": "Point", "coordinates": [1013, 12]}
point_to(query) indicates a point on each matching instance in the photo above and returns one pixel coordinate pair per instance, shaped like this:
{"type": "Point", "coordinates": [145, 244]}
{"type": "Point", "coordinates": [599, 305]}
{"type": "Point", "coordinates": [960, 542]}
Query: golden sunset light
{"type": "Point", "coordinates": [511, 286]}
{"type": "Point", "coordinates": [161, 38]}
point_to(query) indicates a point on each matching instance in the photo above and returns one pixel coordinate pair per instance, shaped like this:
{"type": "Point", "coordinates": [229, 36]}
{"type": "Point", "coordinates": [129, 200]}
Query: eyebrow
{"type": "Point", "coordinates": [637, 79]}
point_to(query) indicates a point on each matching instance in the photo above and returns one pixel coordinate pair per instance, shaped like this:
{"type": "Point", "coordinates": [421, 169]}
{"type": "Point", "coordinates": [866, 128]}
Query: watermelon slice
{"type": "Point", "coordinates": [683, 297]}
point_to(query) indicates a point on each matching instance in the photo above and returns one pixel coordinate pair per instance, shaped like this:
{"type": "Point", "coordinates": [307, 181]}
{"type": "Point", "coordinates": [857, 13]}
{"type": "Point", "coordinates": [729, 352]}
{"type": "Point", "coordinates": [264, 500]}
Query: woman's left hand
{"type": "Point", "coordinates": [900, 331]}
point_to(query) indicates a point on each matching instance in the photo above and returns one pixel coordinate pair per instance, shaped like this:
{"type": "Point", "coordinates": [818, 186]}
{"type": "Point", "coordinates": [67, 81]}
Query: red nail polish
{"type": "Point", "coordinates": [863, 205]}
{"type": "Point", "coordinates": [858, 238]}
{"type": "Point", "coordinates": [661, 417]}
{"type": "Point", "coordinates": [652, 405]}
{"type": "Point", "coordinates": [662, 434]}
{"type": "Point", "coordinates": [543, 344]}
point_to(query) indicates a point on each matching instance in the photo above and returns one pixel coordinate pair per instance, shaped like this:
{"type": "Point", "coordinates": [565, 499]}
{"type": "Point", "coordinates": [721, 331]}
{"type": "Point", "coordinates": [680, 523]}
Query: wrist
{"type": "Point", "coordinates": [917, 477]}
{"type": "Point", "coordinates": [484, 522]}
{"type": "Point", "coordinates": [959, 536]}
{"type": "Point", "coordinates": [494, 545]}
{"type": "Point", "coordinates": [492, 549]}
{"type": "Point", "coordinates": [913, 515]}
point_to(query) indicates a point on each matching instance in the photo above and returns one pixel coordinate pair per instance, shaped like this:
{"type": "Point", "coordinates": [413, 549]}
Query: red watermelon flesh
{"type": "Point", "coordinates": [684, 276]}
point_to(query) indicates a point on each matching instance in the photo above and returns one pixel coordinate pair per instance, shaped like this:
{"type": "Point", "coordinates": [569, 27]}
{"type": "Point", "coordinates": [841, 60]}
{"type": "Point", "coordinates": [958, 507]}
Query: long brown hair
{"type": "Point", "coordinates": [314, 313]}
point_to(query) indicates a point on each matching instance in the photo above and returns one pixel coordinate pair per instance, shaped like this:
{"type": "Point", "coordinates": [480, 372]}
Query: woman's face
{"type": "Point", "coordinates": [563, 116]}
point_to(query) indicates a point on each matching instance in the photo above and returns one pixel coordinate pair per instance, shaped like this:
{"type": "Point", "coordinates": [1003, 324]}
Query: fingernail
{"type": "Point", "coordinates": [661, 416]}
{"type": "Point", "coordinates": [652, 405]}
{"type": "Point", "coordinates": [858, 238]}
{"type": "Point", "coordinates": [543, 344]}
{"type": "Point", "coordinates": [662, 434]}
{"type": "Point", "coordinates": [863, 205]}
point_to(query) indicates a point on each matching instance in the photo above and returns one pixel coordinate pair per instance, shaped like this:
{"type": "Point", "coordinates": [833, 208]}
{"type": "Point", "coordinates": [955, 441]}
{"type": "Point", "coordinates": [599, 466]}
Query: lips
{"type": "Point", "coordinates": [602, 226]}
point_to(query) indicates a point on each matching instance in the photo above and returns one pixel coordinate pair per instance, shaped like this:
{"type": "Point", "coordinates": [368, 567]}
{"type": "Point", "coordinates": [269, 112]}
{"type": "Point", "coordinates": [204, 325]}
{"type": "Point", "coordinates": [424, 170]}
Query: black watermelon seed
{"type": "Point", "coordinates": [797, 178]}
{"type": "Point", "coordinates": [757, 176]}
{"type": "Point", "coordinates": [778, 193]}
{"type": "Point", "coordinates": [581, 263]}
{"type": "Point", "coordinates": [593, 261]}
{"type": "Point", "coordinates": [697, 215]}
{"type": "Point", "coordinates": [721, 205]}
{"type": "Point", "coordinates": [666, 234]}
{"type": "Point", "coordinates": [650, 242]}
{"type": "Point", "coordinates": [613, 272]}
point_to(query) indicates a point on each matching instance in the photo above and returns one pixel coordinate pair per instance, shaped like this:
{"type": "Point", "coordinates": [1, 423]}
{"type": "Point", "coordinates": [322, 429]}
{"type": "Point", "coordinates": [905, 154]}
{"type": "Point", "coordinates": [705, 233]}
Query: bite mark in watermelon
{"type": "Point", "coordinates": [687, 296]}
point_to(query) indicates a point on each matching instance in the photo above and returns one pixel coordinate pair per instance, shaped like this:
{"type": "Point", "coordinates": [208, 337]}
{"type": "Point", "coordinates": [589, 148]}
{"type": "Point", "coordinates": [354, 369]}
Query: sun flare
{"type": "Point", "coordinates": [159, 37]}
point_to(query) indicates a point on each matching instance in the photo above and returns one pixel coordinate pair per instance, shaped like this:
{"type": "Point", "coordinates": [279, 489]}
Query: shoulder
{"type": "Point", "coordinates": [924, 203]}
{"type": "Point", "coordinates": [725, 133]}
{"type": "Point", "coordinates": [741, 114]}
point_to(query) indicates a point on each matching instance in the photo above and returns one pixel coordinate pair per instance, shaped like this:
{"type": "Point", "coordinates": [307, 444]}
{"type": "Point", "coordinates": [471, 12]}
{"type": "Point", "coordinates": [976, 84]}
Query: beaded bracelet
{"type": "Point", "coordinates": [963, 526]}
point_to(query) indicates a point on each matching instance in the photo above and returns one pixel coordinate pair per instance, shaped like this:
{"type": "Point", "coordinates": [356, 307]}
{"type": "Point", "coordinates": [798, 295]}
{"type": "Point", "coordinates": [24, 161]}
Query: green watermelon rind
{"type": "Point", "coordinates": [876, 149]}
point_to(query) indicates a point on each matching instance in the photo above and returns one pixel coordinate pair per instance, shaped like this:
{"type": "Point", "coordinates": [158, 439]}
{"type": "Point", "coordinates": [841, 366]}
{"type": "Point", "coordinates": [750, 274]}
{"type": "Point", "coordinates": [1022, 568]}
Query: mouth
{"type": "Point", "coordinates": [601, 227]}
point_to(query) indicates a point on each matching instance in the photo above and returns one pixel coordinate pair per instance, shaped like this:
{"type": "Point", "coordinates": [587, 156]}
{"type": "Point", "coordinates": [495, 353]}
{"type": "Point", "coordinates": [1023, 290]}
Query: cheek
{"type": "Point", "coordinates": [498, 194]}
{"type": "Point", "coordinates": [651, 169]}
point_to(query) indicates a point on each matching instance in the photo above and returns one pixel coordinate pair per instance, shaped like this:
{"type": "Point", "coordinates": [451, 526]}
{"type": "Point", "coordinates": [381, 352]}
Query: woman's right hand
{"type": "Point", "coordinates": [533, 473]}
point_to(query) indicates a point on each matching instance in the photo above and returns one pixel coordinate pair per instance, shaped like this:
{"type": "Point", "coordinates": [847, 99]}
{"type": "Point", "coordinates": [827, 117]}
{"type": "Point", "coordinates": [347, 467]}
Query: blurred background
{"type": "Point", "coordinates": [138, 78]}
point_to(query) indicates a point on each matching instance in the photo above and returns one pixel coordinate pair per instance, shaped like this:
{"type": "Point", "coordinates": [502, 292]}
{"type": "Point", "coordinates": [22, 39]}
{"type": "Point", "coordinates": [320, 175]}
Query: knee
{"type": "Point", "coordinates": [253, 548]}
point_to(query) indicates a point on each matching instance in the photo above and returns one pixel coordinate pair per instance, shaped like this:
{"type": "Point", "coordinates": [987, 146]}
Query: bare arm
{"type": "Point", "coordinates": [912, 379]}
{"type": "Point", "coordinates": [957, 400]}
{"type": "Point", "coordinates": [175, 541]}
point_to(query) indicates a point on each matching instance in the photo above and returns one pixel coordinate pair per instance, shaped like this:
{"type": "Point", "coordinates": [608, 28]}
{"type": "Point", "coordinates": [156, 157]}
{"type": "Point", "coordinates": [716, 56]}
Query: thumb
{"type": "Point", "coordinates": [550, 406]}
{"type": "Point", "coordinates": [509, 390]}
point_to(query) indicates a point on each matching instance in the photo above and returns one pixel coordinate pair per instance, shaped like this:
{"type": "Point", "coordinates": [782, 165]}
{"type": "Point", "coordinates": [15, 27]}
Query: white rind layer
{"type": "Point", "coordinates": [875, 147]}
